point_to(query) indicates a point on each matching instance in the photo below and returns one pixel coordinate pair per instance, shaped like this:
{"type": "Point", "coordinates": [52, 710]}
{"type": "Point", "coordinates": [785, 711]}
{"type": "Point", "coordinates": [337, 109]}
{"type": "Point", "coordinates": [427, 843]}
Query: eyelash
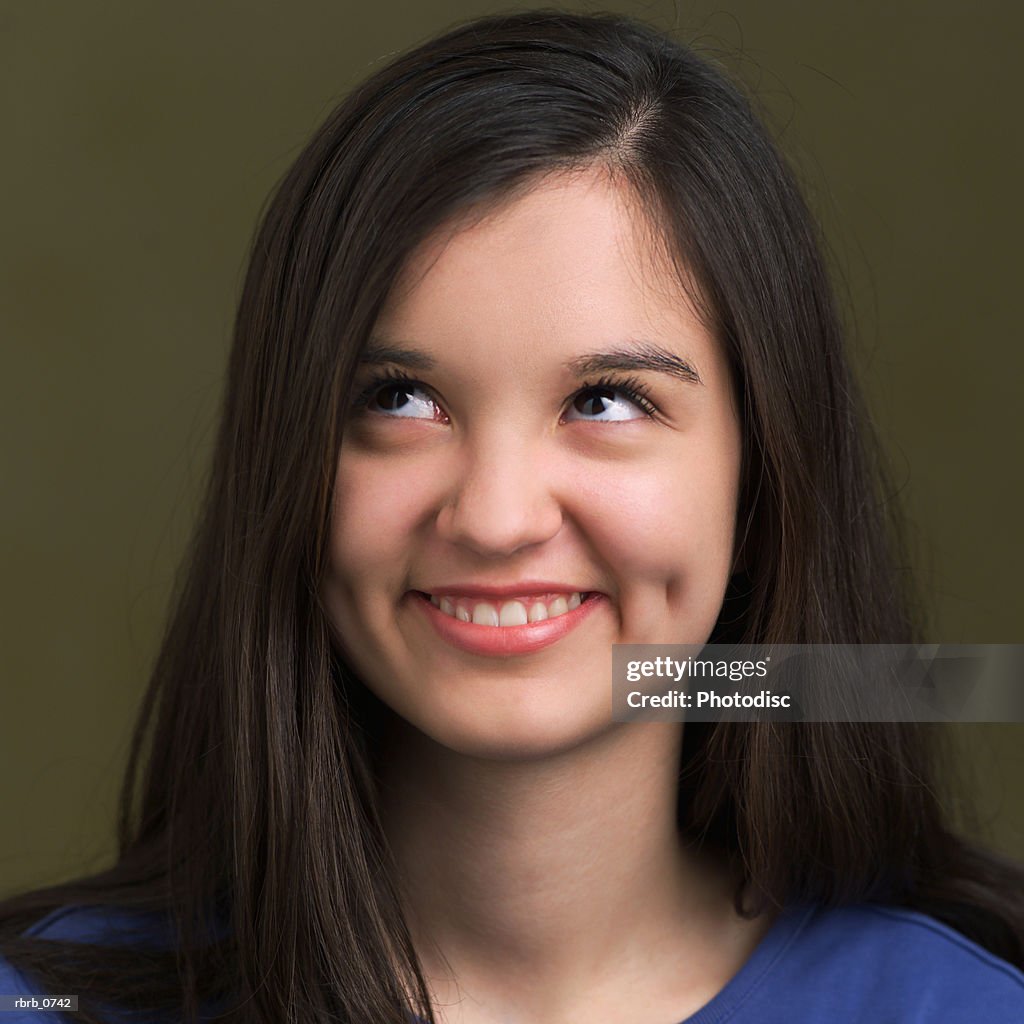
{"type": "Point", "coordinates": [377, 381]}
{"type": "Point", "coordinates": [631, 387]}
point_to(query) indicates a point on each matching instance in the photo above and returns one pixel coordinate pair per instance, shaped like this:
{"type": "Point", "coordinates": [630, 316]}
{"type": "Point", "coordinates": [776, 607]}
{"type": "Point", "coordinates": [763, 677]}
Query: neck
{"type": "Point", "coordinates": [553, 869]}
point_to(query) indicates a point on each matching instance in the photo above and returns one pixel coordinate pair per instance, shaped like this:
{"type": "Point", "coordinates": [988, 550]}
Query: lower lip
{"type": "Point", "coordinates": [504, 641]}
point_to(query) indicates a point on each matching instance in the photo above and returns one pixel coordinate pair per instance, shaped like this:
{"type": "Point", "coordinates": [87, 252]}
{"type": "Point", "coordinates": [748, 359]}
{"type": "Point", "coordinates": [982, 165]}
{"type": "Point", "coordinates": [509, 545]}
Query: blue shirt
{"type": "Point", "coordinates": [866, 964]}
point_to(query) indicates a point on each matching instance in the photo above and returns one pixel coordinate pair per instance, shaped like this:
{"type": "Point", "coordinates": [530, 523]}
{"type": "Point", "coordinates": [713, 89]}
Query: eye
{"type": "Point", "coordinates": [403, 400]}
{"type": "Point", "coordinates": [395, 395]}
{"type": "Point", "coordinates": [610, 400]}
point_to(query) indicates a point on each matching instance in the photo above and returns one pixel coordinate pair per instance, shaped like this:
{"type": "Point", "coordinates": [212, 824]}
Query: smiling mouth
{"type": "Point", "coordinates": [502, 626]}
{"type": "Point", "coordinates": [509, 612]}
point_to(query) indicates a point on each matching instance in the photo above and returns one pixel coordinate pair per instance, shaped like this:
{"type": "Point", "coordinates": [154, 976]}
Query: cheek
{"type": "Point", "coordinates": [376, 512]}
{"type": "Point", "coordinates": [663, 517]}
{"type": "Point", "coordinates": [374, 517]}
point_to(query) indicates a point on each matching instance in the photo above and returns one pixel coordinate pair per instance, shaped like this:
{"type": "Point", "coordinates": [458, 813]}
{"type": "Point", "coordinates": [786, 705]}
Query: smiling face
{"type": "Point", "coordinates": [544, 442]}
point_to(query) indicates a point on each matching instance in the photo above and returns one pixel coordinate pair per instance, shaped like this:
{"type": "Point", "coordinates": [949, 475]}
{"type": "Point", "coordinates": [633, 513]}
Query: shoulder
{"type": "Point", "coordinates": [14, 987]}
{"type": "Point", "coordinates": [22, 995]}
{"type": "Point", "coordinates": [114, 926]}
{"type": "Point", "coordinates": [869, 962]}
{"type": "Point", "coordinates": [90, 925]}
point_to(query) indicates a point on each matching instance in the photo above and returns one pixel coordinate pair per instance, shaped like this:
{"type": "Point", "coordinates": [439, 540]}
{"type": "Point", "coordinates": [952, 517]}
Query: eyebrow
{"type": "Point", "coordinates": [376, 353]}
{"type": "Point", "coordinates": [636, 355]}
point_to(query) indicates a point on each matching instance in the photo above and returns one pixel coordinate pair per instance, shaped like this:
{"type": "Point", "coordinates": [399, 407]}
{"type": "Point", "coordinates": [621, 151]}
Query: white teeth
{"type": "Point", "coordinates": [538, 613]}
{"type": "Point", "coordinates": [485, 614]}
{"type": "Point", "coordinates": [511, 613]}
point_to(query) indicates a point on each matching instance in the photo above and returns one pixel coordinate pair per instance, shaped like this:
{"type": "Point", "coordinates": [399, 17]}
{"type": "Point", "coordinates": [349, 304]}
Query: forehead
{"type": "Point", "coordinates": [572, 254]}
{"type": "Point", "coordinates": [568, 267]}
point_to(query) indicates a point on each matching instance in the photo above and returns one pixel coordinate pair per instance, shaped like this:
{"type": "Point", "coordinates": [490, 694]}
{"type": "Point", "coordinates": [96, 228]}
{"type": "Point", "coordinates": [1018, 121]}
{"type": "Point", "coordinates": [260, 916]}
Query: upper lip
{"type": "Point", "coordinates": [522, 589]}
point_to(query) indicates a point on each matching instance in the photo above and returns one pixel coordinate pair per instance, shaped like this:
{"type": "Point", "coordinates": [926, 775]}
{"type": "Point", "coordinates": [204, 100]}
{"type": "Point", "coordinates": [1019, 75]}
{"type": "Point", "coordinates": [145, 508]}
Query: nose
{"type": "Point", "coordinates": [502, 502]}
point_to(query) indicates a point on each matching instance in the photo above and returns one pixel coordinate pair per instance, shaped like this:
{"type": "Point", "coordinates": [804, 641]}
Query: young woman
{"type": "Point", "coordinates": [536, 354]}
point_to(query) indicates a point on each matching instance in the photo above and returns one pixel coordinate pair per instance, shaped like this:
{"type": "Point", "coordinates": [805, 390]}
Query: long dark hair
{"type": "Point", "coordinates": [249, 824]}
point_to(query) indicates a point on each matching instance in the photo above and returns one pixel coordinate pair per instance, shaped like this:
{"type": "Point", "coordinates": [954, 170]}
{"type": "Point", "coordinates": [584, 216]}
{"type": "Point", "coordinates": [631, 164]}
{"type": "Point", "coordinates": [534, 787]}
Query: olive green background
{"type": "Point", "coordinates": [139, 142]}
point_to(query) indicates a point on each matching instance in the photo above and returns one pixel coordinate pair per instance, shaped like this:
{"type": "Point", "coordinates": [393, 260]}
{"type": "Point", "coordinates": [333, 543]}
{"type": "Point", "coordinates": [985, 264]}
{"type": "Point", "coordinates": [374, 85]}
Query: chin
{"type": "Point", "coordinates": [530, 734]}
